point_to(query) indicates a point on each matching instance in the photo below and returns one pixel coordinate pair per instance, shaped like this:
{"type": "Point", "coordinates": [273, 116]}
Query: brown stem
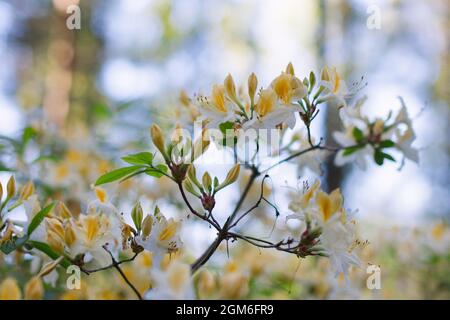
{"type": "Point", "coordinates": [193, 211]}
{"type": "Point", "coordinates": [116, 265]}
{"type": "Point", "coordinates": [207, 254]}
{"type": "Point", "coordinates": [223, 233]}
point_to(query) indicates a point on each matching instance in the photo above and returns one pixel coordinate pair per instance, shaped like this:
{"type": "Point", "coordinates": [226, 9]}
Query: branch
{"type": "Point", "coordinates": [116, 266]}
{"type": "Point", "coordinates": [110, 265]}
{"type": "Point", "coordinates": [193, 211]}
{"type": "Point", "coordinates": [256, 205]}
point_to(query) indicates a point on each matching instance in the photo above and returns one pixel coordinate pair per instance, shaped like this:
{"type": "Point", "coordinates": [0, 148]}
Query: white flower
{"type": "Point", "coordinates": [337, 236]}
{"type": "Point", "coordinates": [406, 137]}
{"type": "Point", "coordinates": [336, 91]}
{"type": "Point", "coordinates": [160, 236]}
{"type": "Point", "coordinates": [175, 283]}
{"type": "Point", "coordinates": [91, 233]}
{"type": "Point", "coordinates": [359, 156]}
{"type": "Point", "coordinates": [303, 202]}
{"type": "Point", "coordinates": [352, 115]}
{"type": "Point", "coordinates": [270, 113]}
{"type": "Point", "coordinates": [326, 212]}
{"type": "Point", "coordinates": [217, 108]}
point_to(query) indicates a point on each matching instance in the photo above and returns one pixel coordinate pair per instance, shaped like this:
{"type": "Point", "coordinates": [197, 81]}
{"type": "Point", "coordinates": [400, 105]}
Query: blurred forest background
{"type": "Point", "coordinates": [96, 91]}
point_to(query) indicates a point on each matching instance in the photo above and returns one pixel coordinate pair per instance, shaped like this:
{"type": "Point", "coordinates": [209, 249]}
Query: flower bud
{"type": "Point", "coordinates": [54, 241]}
{"type": "Point", "coordinates": [206, 283]}
{"type": "Point", "coordinates": [208, 202]}
{"type": "Point", "coordinates": [325, 74]}
{"type": "Point", "coordinates": [27, 190]}
{"type": "Point", "coordinates": [290, 68]}
{"type": "Point", "coordinates": [252, 86]}
{"type": "Point", "coordinates": [64, 212]}
{"type": "Point", "coordinates": [49, 267]}
{"type": "Point", "coordinates": [11, 187]}
{"type": "Point", "coordinates": [201, 145]}
{"type": "Point", "coordinates": [69, 235]}
{"type": "Point", "coordinates": [158, 139]}
{"type": "Point", "coordinates": [230, 87]}
{"type": "Point", "coordinates": [55, 225]}
{"type": "Point", "coordinates": [137, 215]}
{"type": "Point", "coordinates": [9, 290]}
{"type": "Point", "coordinates": [184, 98]}
{"type": "Point", "coordinates": [34, 290]}
{"type": "Point", "coordinates": [147, 225]}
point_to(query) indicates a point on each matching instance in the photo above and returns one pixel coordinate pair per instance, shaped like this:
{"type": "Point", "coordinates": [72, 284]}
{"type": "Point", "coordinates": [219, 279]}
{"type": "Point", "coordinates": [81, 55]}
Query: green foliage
{"type": "Point", "coordinates": [39, 217]}
{"type": "Point", "coordinates": [141, 158]}
{"type": "Point", "coordinates": [117, 174]}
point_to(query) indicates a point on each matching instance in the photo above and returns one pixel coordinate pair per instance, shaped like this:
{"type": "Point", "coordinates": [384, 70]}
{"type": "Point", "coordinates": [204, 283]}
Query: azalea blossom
{"type": "Point", "coordinates": [160, 236]}
{"type": "Point", "coordinates": [217, 108]}
{"type": "Point", "coordinates": [337, 235]}
{"type": "Point", "coordinates": [174, 283]}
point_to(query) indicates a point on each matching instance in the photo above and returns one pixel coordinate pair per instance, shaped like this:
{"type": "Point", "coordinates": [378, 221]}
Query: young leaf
{"type": "Point", "coordinates": [349, 150]}
{"type": "Point", "coordinates": [158, 172]}
{"type": "Point", "coordinates": [139, 158]}
{"type": "Point", "coordinates": [388, 156]}
{"type": "Point", "coordinates": [45, 248]}
{"type": "Point", "coordinates": [387, 144]}
{"type": "Point", "coordinates": [358, 134]}
{"type": "Point", "coordinates": [116, 174]}
{"type": "Point", "coordinates": [39, 217]}
{"type": "Point", "coordinates": [378, 157]}
{"type": "Point", "coordinates": [312, 80]}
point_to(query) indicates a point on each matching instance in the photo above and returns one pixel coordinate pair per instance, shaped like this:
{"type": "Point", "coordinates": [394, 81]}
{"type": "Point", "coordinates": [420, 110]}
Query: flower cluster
{"type": "Point", "coordinates": [326, 227]}
{"type": "Point", "coordinates": [99, 236]}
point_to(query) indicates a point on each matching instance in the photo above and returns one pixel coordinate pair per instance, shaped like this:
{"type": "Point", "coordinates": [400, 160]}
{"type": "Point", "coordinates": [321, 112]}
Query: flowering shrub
{"type": "Point", "coordinates": [254, 128]}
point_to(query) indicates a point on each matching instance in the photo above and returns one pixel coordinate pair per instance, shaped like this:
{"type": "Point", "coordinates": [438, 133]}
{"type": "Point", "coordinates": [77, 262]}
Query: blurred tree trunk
{"type": "Point", "coordinates": [336, 17]}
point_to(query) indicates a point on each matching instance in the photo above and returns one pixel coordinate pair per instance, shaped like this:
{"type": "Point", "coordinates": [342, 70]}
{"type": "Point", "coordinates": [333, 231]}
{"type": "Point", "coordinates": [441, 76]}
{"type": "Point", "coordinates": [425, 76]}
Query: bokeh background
{"type": "Point", "coordinates": [73, 101]}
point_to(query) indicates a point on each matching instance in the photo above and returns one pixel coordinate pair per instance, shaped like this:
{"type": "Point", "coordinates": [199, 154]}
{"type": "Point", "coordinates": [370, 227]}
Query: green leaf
{"type": "Point", "coordinates": [358, 134]}
{"type": "Point", "coordinates": [39, 217]}
{"type": "Point", "coordinates": [159, 172]}
{"type": "Point", "coordinates": [388, 156]}
{"type": "Point", "coordinates": [312, 80]}
{"type": "Point", "coordinates": [226, 128]}
{"type": "Point", "coordinates": [28, 134]}
{"type": "Point", "coordinates": [139, 158]}
{"type": "Point", "coordinates": [116, 174]}
{"type": "Point", "coordinates": [349, 150]}
{"type": "Point", "coordinates": [45, 248]}
{"type": "Point", "coordinates": [387, 144]}
{"type": "Point", "coordinates": [378, 157]}
{"type": "Point", "coordinates": [101, 110]}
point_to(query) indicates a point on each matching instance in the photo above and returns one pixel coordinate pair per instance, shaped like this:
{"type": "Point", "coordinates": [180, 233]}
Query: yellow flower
{"type": "Point", "coordinates": [266, 103]}
{"type": "Point", "coordinates": [218, 98]}
{"type": "Point", "coordinates": [9, 290]}
{"type": "Point", "coordinates": [438, 231]}
{"type": "Point", "coordinates": [287, 86]}
{"type": "Point", "coordinates": [34, 290]}
{"type": "Point", "coordinates": [101, 195]}
{"type": "Point", "coordinates": [329, 204]}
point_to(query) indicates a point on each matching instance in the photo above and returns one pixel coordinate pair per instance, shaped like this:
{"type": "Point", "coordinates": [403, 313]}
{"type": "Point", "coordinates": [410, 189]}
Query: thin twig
{"type": "Point", "coordinates": [193, 211]}
{"type": "Point", "coordinates": [117, 267]}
